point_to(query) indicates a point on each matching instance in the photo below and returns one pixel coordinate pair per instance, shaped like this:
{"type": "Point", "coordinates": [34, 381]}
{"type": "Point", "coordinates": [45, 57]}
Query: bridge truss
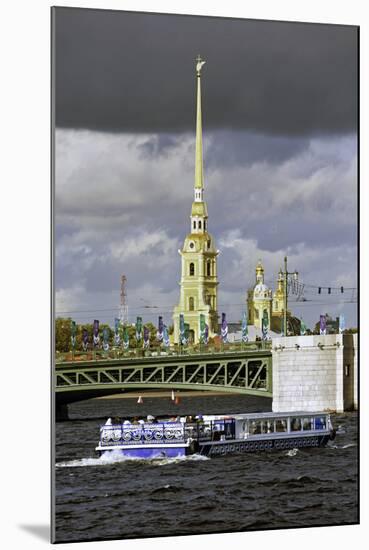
{"type": "Point", "coordinates": [241, 372]}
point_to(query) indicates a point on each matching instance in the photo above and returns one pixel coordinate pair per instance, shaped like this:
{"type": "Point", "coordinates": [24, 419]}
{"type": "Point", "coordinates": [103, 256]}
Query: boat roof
{"type": "Point", "coordinates": [261, 415]}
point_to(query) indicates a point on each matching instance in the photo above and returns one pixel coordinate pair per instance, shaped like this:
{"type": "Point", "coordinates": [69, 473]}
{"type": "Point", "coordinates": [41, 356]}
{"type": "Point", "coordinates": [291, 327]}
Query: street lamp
{"type": "Point", "coordinates": [295, 276]}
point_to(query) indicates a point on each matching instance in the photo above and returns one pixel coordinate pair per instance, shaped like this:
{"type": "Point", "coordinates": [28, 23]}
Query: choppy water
{"type": "Point", "coordinates": [112, 497]}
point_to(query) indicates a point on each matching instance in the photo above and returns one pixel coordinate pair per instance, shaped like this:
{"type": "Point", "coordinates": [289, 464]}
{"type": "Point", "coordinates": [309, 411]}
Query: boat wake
{"type": "Point", "coordinates": [331, 445]}
{"type": "Point", "coordinates": [292, 452]}
{"type": "Point", "coordinates": [114, 457]}
{"type": "Point", "coordinates": [189, 458]}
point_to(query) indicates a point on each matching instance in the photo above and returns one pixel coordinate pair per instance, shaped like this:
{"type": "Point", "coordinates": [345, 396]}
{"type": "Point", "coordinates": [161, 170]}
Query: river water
{"type": "Point", "coordinates": [113, 498]}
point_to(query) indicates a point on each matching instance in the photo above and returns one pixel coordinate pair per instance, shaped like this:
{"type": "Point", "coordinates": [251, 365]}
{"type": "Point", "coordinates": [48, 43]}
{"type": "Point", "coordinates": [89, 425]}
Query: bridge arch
{"type": "Point", "coordinates": [238, 373]}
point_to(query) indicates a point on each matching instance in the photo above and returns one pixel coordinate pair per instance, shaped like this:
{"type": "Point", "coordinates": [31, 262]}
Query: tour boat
{"type": "Point", "coordinates": [214, 435]}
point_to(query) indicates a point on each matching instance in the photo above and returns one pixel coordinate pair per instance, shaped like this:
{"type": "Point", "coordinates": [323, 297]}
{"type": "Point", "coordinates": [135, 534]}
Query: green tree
{"type": "Point", "coordinates": [63, 334]}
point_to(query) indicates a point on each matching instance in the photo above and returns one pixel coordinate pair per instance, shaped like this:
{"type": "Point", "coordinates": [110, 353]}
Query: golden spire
{"type": "Point", "coordinates": [259, 272]}
{"type": "Point", "coordinates": [199, 176]}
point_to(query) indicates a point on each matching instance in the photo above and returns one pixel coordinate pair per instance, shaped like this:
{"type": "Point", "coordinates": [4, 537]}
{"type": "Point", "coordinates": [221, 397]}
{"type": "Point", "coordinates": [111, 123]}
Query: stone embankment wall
{"type": "Point", "coordinates": [312, 373]}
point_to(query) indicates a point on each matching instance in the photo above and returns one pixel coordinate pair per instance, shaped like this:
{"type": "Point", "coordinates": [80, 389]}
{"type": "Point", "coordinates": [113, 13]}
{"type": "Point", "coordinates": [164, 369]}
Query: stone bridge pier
{"type": "Point", "coordinates": [312, 373]}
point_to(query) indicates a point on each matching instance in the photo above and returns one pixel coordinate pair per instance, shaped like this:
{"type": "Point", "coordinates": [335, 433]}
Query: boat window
{"type": "Point", "coordinates": [320, 423]}
{"type": "Point", "coordinates": [295, 424]}
{"type": "Point", "coordinates": [281, 425]}
{"type": "Point", "coordinates": [307, 424]}
{"type": "Point", "coordinates": [267, 426]}
{"type": "Point", "coordinates": [255, 427]}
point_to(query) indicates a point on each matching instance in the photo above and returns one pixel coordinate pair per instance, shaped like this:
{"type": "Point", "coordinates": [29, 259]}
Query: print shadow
{"type": "Point", "coordinates": [40, 531]}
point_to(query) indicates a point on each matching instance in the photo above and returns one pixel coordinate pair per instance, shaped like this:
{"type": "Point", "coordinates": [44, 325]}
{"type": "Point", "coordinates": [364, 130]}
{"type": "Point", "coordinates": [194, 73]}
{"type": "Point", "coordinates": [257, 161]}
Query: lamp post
{"type": "Point", "coordinates": [285, 279]}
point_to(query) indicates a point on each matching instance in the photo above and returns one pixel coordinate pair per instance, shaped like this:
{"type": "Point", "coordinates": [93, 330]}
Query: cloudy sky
{"type": "Point", "coordinates": [280, 158]}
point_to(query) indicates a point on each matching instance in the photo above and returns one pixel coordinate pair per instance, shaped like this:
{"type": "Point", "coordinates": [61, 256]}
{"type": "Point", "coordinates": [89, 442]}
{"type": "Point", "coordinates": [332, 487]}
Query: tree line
{"type": "Point", "coordinates": [63, 334]}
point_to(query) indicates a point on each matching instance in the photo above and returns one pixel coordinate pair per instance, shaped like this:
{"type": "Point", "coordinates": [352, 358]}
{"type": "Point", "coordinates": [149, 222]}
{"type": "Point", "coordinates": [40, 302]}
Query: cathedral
{"type": "Point", "coordinates": [199, 283]}
{"type": "Point", "coordinates": [262, 301]}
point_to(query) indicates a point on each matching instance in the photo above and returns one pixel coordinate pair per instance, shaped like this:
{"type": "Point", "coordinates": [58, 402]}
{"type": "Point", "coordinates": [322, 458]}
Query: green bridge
{"type": "Point", "coordinates": [243, 372]}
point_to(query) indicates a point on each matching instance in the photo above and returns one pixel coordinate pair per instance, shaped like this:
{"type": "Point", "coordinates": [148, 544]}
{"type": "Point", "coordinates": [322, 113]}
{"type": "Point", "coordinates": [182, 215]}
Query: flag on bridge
{"type": "Point", "coordinates": [187, 332]}
{"type": "Point", "coordinates": [106, 334]}
{"type": "Point", "coordinates": [165, 336]}
{"type": "Point", "coordinates": [73, 329]}
{"type": "Point", "coordinates": [159, 334]}
{"type": "Point", "coordinates": [146, 338]}
{"type": "Point", "coordinates": [202, 328]}
{"type": "Point", "coordinates": [125, 338]}
{"type": "Point", "coordinates": [96, 336]}
{"type": "Point", "coordinates": [85, 339]}
{"type": "Point", "coordinates": [138, 329]}
{"type": "Point", "coordinates": [323, 325]}
{"type": "Point", "coordinates": [265, 324]}
{"type": "Point", "coordinates": [206, 335]}
{"type": "Point", "coordinates": [116, 331]}
{"type": "Point", "coordinates": [182, 333]}
{"type": "Point", "coordinates": [245, 336]}
{"type": "Point", "coordinates": [224, 329]}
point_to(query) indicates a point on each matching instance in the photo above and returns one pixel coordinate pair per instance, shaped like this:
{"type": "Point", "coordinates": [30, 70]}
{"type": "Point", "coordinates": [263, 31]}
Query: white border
{"type": "Point", "coordinates": [25, 219]}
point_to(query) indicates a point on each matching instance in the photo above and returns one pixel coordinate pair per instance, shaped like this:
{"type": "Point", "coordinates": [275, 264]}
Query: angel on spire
{"type": "Point", "coordinates": [199, 64]}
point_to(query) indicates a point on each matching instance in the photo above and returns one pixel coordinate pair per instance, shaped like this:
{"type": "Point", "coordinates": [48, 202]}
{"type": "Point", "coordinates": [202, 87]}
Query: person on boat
{"type": "Point", "coordinates": [150, 419]}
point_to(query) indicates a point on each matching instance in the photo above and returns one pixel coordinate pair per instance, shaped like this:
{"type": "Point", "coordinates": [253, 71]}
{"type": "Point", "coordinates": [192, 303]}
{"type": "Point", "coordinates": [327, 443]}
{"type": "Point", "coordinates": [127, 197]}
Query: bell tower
{"type": "Point", "coordinates": [199, 283]}
{"type": "Point", "coordinates": [278, 296]}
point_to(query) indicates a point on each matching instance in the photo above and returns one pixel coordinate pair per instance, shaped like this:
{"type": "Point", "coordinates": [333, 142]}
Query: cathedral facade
{"type": "Point", "coordinates": [261, 301]}
{"type": "Point", "coordinates": [199, 282]}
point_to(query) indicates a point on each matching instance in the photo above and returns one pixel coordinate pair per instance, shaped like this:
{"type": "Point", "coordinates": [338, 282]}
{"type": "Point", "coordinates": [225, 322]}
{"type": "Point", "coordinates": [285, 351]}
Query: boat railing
{"type": "Point", "coordinates": [136, 434]}
{"type": "Point", "coordinates": [98, 354]}
{"type": "Point", "coordinates": [212, 430]}
{"type": "Point", "coordinates": [165, 432]}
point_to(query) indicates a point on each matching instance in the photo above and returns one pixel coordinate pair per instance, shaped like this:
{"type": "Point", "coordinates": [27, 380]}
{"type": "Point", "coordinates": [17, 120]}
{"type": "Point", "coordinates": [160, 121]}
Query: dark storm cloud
{"type": "Point", "coordinates": [241, 148]}
{"type": "Point", "coordinates": [159, 144]}
{"type": "Point", "coordinates": [133, 72]}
